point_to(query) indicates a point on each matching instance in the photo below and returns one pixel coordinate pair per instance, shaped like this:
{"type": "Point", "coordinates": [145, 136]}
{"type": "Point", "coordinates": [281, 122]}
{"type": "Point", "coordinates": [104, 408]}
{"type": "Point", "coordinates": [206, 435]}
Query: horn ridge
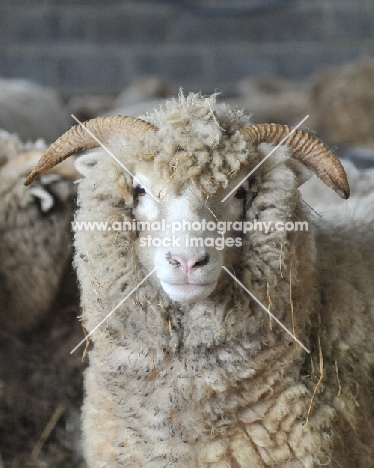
{"type": "Point", "coordinates": [78, 139]}
{"type": "Point", "coordinates": [307, 149]}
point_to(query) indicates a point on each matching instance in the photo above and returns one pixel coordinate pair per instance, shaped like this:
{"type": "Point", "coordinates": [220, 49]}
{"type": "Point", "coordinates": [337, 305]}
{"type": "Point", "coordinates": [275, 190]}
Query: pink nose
{"type": "Point", "coordinates": [188, 263]}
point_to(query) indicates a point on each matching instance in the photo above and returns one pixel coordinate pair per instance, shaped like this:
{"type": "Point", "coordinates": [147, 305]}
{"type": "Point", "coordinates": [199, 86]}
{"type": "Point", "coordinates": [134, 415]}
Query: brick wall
{"type": "Point", "coordinates": [99, 46]}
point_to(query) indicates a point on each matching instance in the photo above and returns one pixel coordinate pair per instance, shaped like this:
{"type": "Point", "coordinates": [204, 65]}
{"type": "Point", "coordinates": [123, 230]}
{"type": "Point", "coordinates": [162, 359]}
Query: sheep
{"type": "Point", "coordinates": [34, 233]}
{"type": "Point", "coordinates": [143, 94]}
{"type": "Point", "coordinates": [30, 110]}
{"type": "Point", "coordinates": [341, 102]}
{"type": "Point", "coordinates": [143, 89]}
{"type": "Point", "coordinates": [271, 98]}
{"type": "Point", "coordinates": [189, 370]}
{"type": "Point", "coordinates": [38, 309]}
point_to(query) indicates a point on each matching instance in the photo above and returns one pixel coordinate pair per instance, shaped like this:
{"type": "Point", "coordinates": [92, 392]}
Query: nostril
{"type": "Point", "coordinates": [187, 263]}
{"type": "Point", "coordinates": [177, 260]}
{"type": "Point", "coordinates": [204, 260]}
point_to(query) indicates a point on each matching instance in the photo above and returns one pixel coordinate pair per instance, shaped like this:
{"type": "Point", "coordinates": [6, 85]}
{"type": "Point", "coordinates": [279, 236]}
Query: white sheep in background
{"type": "Point", "coordinates": [190, 371]}
{"type": "Point", "coordinates": [32, 111]}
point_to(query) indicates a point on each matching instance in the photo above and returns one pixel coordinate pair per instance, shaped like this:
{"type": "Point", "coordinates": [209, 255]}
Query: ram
{"type": "Point", "coordinates": [203, 357]}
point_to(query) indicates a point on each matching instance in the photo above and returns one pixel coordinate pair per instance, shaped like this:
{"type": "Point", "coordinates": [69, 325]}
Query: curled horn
{"type": "Point", "coordinates": [305, 148]}
{"type": "Point", "coordinates": [78, 139]}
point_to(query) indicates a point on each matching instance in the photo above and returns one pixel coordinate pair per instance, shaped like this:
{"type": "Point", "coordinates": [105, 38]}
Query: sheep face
{"type": "Point", "coordinates": [189, 153]}
{"type": "Point", "coordinates": [191, 159]}
{"type": "Point", "coordinates": [188, 250]}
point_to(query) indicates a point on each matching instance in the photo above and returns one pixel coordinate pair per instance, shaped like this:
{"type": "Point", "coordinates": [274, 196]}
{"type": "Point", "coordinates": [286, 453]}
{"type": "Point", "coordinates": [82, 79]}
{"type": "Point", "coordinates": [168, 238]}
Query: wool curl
{"type": "Point", "coordinates": [198, 139]}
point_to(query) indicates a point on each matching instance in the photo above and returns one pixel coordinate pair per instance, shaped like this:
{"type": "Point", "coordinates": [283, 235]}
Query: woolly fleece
{"type": "Point", "coordinates": [217, 384]}
{"type": "Point", "coordinates": [35, 244]}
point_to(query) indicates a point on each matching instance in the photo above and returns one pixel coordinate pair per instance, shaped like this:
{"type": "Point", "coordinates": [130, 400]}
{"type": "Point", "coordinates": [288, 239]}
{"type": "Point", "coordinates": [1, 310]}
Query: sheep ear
{"type": "Point", "coordinates": [302, 172]}
{"type": "Point", "coordinates": [86, 136]}
{"type": "Point", "coordinates": [305, 148]}
{"type": "Point", "coordinates": [86, 163]}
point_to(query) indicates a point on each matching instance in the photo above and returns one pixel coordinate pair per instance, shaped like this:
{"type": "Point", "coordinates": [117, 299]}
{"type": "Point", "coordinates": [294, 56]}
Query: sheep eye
{"type": "Point", "coordinates": [240, 193]}
{"type": "Point", "coordinates": [139, 191]}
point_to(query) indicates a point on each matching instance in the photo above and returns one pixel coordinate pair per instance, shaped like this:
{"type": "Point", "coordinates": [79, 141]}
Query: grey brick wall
{"type": "Point", "coordinates": [99, 46]}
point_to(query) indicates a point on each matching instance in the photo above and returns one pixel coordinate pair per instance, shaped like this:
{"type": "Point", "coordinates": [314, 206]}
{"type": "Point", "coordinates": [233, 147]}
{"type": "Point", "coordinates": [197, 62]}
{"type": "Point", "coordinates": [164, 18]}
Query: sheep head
{"type": "Point", "coordinates": [189, 159]}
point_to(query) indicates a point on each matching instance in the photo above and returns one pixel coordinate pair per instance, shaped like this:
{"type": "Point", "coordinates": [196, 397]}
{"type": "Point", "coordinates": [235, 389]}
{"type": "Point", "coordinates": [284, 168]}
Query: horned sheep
{"type": "Point", "coordinates": [190, 370]}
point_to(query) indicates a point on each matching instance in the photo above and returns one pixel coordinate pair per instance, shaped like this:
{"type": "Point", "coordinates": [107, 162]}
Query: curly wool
{"type": "Point", "coordinates": [198, 139]}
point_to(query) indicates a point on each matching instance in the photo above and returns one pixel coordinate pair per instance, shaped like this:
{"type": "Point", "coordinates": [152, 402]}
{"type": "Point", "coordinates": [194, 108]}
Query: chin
{"type": "Point", "coordinates": [188, 292]}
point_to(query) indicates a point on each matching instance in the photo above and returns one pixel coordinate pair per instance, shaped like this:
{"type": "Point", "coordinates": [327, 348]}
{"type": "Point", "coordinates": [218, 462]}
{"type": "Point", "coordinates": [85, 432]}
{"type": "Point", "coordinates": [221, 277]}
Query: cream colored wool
{"type": "Point", "coordinates": [216, 383]}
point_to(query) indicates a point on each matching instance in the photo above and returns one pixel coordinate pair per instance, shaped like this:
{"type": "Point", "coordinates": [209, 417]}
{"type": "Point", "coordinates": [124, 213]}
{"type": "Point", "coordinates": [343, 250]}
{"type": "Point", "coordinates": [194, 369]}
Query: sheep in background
{"type": "Point", "coordinates": [341, 102]}
{"type": "Point", "coordinates": [272, 99]}
{"type": "Point", "coordinates": [32, 111]}
{"type": "Point", "coordinates": [143, 89]}
{"type": "Point", "coordinates": [35, 244]}
{"type": "Point", "coordinates": [190, 371]}
{"type": "Point", "coordinates": [339, 99]}
{"type": "Point", "coordinates": [143, 94]}
{"type": "Point", "coordinates": [38, 310]}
